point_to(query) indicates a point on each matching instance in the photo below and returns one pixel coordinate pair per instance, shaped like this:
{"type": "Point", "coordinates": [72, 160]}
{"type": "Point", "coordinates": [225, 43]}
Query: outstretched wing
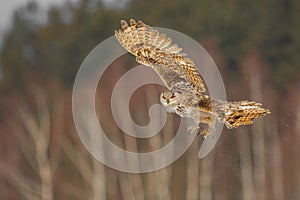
{"type": "Point", "coordinates": [164, 56]}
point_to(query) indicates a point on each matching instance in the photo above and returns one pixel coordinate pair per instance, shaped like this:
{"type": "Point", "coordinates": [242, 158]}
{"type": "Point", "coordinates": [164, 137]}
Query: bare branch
{"type": "Point", "coordinates": [206, 175]}
{"type": "Point", "coordinates": [39, 130]}
{"type": "Point", "coordinates": [29, 189]}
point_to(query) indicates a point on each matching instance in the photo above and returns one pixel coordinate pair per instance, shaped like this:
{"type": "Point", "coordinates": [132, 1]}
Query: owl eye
{"type": "Point", "coordinates": [173, 96]}
{"type": "Point", "coordinates": [163, 97]}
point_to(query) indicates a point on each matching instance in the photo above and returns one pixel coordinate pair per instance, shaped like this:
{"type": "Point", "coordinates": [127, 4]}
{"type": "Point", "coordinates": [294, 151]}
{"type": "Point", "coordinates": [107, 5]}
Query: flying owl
{"type": "Point", "coordinates": [186, 90]}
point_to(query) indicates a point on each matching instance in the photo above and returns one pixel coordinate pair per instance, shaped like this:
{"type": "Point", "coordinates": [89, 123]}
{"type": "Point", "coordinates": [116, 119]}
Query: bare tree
{"type": "Point", "coordinates": [192, 172]}
{"type": "Point", "coordinates": [206, 177]}
{"type": "Point", "coordinates": [297, 129]}
{"type": "Point", "coordinates": [39, 131]}
{"type": "Point", "coordinates": [90, 169]}
{"type": "Point", "coordinates": [159, 180]}
{"type": "Point", "coordinates": [248, 187]}
{"type": "Point", "coordinates": [34, 142]}
{"type": "Point", "coordinates": [28, 189]}
{"type": "Point", "coordinates": [131, 186]}
{"type": "Point", "coordinates": [276, 159]}
{"type": "Point", "coordinates": [252, 66]}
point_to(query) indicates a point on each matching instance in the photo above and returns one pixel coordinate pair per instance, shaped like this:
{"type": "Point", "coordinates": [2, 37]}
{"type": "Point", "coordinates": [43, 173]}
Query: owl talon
{"type": "Point", "coordinates": [205, 132]}
{"type": "Point", "coordinates": [192, 129]}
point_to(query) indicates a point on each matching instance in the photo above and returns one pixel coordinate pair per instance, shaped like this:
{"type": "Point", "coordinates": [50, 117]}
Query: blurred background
{"type": "Point", "coordinates": [256, 46]}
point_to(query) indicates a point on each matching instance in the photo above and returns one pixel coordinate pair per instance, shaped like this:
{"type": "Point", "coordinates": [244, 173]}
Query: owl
{"type": "Point", "coordinates": [185, 95]}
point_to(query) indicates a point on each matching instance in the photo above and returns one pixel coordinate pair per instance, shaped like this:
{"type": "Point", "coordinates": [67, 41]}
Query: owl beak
{"type": "Point", "coordinates": [168, 101]}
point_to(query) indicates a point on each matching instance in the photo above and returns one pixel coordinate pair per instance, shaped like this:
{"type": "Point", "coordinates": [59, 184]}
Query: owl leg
{"type": "Point", "coordinates": [203, 129]}
{"type": "Point", "coordinates": [209, 125]}
{"type": "Point", "coordinates": [200, 128]}
{"type": "Point", "coordinates": [204, 125]}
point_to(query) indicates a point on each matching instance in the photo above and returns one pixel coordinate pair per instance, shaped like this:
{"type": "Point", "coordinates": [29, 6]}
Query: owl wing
{"type": "Point", "coordinates": [170, 62]}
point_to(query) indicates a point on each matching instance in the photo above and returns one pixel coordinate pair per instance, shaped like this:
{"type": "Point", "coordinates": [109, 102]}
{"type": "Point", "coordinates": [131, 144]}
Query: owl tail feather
{"type": "Point", "coordinates": [239, 113]}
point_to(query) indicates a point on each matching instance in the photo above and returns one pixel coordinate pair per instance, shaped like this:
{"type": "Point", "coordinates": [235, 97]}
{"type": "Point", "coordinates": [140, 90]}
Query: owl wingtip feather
{"type": "Point", "coordinates": [124, 24]}
{"type": "Point", "coordinates": [140, 24]}
{"type": "Point", "coordinates": [132, 22]}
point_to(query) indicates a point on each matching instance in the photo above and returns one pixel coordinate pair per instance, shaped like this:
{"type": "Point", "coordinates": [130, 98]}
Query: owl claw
{"type": "Point", "coordinates": [192, 129]}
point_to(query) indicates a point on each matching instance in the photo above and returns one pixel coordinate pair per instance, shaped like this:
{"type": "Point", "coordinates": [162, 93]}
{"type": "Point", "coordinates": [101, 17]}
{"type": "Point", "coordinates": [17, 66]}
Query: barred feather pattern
{"type": "Point", "coordinates": [137, 37]}
{"type": "Point", "coordinates": [242, 113]}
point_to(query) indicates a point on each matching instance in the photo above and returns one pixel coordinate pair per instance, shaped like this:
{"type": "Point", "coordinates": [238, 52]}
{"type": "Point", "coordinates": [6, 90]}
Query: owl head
{"type": "Point", "coordinates": [169, 100]}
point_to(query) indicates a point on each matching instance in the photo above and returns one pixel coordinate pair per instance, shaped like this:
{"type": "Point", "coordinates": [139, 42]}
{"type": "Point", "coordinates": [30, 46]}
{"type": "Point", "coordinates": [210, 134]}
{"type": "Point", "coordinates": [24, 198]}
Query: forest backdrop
{"type": "Point", "coordinates": [256, 46]}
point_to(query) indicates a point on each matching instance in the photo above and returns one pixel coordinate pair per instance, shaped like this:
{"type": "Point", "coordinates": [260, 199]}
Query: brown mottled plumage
{"type": "Point", "coordinates": [186, 87]}
{"type": "Point", "coordinates": [143, 41]}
